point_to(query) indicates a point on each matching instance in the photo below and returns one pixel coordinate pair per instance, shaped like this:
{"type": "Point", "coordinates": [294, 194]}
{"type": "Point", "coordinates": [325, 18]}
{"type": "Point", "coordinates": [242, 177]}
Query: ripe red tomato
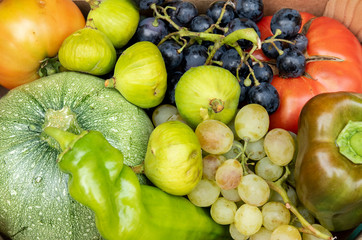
{"type": "Point", "coordinates": [326, 37]}
{"type": "Point", "coordinates": [30, 31]}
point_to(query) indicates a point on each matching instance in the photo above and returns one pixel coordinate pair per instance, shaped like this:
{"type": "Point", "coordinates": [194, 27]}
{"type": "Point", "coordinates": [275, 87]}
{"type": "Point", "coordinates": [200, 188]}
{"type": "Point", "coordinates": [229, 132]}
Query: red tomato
{"type": "Point", "coordinates": [30, 31]}
{"type": "Point", "coordinates": [326, 37]}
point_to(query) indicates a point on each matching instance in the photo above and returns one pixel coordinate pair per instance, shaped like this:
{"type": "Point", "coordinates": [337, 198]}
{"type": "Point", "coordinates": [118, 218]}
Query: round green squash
{"type": "Point", "coordinates": [34, 199]}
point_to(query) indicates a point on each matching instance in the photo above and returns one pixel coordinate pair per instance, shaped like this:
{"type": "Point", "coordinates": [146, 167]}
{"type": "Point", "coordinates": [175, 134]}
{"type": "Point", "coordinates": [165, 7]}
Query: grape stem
{"type": "Point", "coordinates": [183, 33]}
{"type": "Point", "coordinates": [307, 227]}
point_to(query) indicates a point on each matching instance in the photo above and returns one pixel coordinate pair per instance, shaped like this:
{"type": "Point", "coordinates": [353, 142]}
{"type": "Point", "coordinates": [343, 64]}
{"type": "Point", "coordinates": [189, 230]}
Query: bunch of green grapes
{"type": "Point", "coordinates": [243, 162]}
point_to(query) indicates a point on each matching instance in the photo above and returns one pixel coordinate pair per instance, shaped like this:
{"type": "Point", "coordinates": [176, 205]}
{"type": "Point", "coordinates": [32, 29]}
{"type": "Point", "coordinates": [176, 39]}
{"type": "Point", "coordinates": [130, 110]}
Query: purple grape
{"type": "Point", "coordinates": [288, 20]}
{"type": "Point", "coordinates": [291, 63]}
{"type": "Point", "coordinates": [147, 31]}
{"type": "Point", "coordinates": [251, 9]}
{"type": "Point", "coordinates": [194, 56]}
{"type": "Point", "coordinates": [265, 95]}
{"type": "Point", "coordinates": [214, 11]}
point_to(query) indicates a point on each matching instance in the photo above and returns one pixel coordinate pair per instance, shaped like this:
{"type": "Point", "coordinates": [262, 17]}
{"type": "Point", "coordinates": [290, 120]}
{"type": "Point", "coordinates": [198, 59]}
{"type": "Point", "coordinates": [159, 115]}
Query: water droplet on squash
{"type": "Point", "coordinates": [37, 179]}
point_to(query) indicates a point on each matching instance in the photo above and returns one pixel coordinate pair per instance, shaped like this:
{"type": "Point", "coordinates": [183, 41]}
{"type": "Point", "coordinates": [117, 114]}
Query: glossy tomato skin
{"type": "Point", "coordinates": [32, 30]}
{"type": "Point", "coordinates": [327, 37]}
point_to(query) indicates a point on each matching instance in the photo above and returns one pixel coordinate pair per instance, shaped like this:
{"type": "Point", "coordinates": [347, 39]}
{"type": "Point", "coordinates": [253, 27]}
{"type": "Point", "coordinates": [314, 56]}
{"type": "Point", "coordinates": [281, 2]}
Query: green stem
{"type": "Point", "coordinates": [349, 141]}
{"type": "Point", "coordinates": [164, 16]}
{"type": "Point", "coordinates": [307, 227]}
{"type": "Point", "coordinates": [246, 33]}
{"type": "Point", "coordinates": [64, 138]}
{"type": "Point", "coordinates": [49, 66]}
{"type": "Point", "coordinates": [93, 3]}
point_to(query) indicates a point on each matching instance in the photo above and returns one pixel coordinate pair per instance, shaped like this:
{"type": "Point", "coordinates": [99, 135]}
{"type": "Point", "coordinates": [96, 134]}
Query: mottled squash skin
{"type": "Point", "coordinates": [34, 200]}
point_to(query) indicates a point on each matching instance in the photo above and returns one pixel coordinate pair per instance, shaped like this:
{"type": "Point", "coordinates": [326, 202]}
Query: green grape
{"type": "Point", "coordinates": [229, 174]}
{"type": "Point", "coordinates": [274, 215]}
{"type": "Point", "coordinates": [262, 234]}
{"type": "Point", "coordinates": [254, 190]}
{"type": "Point", "coordinates": [215, 137]}
{"type": "Point", "coordinates": [268, 170]}
{"type": "Point", "coordinates": [279, 146]}
{"type": "Point", "coordinates": [231, 194]}
{"type": "Point", "coordinates": [211, 163]}
{"type": "Point", "coordinates": [306, 236]}
{"type": "Point", "coordinates": [235, 234]}
{"type": "Point", "coordinates": [163, 113]}
{"type": "Point", "coordinates": [235, 150]}
{"type": "Point", "coordinates": [251, 122]}
{"type": "Point", "coordinates": [255, 150]}
{"type": "Point", "coordinates": [285, 232]}
{"type": "Point", "coordinates": [223, 211]}
{"type": "Point", "coordinates": [248, 219]}
{"type": "Point", "coordinates": [205, 193]}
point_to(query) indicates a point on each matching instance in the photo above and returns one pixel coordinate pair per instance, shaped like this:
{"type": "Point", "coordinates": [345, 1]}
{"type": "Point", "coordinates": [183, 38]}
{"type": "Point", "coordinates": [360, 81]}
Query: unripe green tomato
{"type": "Point", "coordinates": [118, 19]}
{"type": "Point", "coordinates": [140, 75]}
{"type": "Point", "coordinates": [87, 50]}
{"type": "Point", "coordinates": [173, 159]}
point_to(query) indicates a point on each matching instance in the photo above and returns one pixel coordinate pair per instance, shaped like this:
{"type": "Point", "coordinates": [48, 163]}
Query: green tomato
{"type": "Point", "coordinates": [207, 92]}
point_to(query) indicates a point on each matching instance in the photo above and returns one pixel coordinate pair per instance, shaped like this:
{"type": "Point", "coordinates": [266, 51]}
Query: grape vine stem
{"type": "Point", "coordinates": [307, 227]}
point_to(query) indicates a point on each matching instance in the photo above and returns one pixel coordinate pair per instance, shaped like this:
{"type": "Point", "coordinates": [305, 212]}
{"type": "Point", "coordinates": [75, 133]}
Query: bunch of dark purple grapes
{"type": "Point", "coordinates": [287, 45]}
{"type": "Point", "coordinates": [183, 46]}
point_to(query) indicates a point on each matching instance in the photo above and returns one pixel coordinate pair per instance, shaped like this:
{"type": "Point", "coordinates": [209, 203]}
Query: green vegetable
{"type": "Point", "coordinates": [34, 200]}
{"type": "Point", "coordinates": [124, 209]}
{"type": "Point", "coordinates": [328, 170]}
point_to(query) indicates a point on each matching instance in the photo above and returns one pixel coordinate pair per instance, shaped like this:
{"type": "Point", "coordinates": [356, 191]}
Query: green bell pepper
{"type": "Point", "coordinates": [123, 208]}
{"type": "Point", "coordinates": [328, 171]}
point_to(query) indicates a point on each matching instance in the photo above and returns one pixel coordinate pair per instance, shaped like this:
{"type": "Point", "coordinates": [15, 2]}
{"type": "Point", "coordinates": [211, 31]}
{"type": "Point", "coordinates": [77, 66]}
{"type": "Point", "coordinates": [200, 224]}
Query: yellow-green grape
{"type": "Point", "coordinates": [285, 232]}
{"type": "Point", "coordinates": [235, 234]}
{"type": "Point", "coordinates": [254, 190]}
{"type": "Point", "coordinates": [268, 170]}
{"type": "Point", "coordinates": [248, 219]}
{"type": "Point", "coordinates": [231, 194]}
{"type": "Point", "coordinates": [229, 174]}
{"type": "Point", "coordinates": [223, 211]}
{"type": "Point", "coordinates": [211, 163]}
{"type": "Point", "coordinates": [163, 113]}
{"type": "Point", "coordinates": [274, 215]}
{"type": "Point", "coordinates": [255, 150]}
{"type": "Point", "coordinates": [251, 122]}
{"type": "Point", "coordinates": [205, 193]}
{"type": "Point", "coordinates": [279, 146]}
{"type": "Point", "coordinates": [215, 137]}
{"type": "Point", "coordinates": [262, 234]}
{"type": "Point", "coordinates": [235, 150]}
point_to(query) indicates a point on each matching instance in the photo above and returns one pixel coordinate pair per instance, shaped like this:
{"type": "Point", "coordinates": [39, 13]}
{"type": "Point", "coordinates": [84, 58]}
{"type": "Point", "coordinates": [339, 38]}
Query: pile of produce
{"type": "Point", "coordinates": [152, 120]}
